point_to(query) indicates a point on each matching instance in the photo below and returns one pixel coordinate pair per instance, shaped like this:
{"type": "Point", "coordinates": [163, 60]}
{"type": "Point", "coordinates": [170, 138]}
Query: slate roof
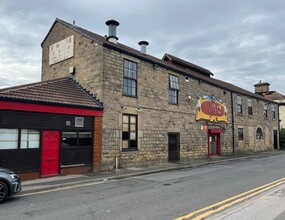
{"type": "Point", "coordinates": [273, 95]}
{"type": "Point", "coordinates": [186, 64]}
{"type": "Point", "coordinates": [159, 62]}
{"type": "Point", "coordinates": [63, 92]}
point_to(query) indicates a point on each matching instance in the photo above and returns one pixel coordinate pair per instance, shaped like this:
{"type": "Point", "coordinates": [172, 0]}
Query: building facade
{"type": "Point", "coordinates": [50, 128]}
{"type": "Point", "coordinates": [157, 110]}
{"type": "Point", "coordinates": [263, 88]}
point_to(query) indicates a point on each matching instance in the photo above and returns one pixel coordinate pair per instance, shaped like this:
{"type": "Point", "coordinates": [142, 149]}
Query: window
{"type": "Point", "coordinates": [129, 132]}
{"type": "Point", "coordinates": [74, 138]}
{"type": "Point", "coordinates": [77, 147]}
{"type": "Point", "coordinates": [249, 107]}
{"type": "Point", "coordinates": [84, 138]}
{"type": "Point", "coordinates": [273, 112]}
{"type": "Point", "coordinates": [173, 89]}
{"type": "Point", "coordinates": [9, 138]}
{"type": "Point", "coordinates": [69, 138]}
{"type": "Point", "coordinates": [239, 105]}
{"type": "Point", "coordinates": [130, 78]}
{"type": "Point", "coordinates": [265, 110]}
{"type": "Point", "coordinates": [240, 134]}
{"type": "Point", "coordinates": [23, 138]}
{"type": "Point", "coordinates": [30, 139]}
{"type": "Point", "coordinates": [259, 134]}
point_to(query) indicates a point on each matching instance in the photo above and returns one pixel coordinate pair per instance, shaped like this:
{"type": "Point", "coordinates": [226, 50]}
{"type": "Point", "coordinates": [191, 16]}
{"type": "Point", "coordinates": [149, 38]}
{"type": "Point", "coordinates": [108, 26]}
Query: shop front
{"type": "Point", "coordinates": [42, 140]}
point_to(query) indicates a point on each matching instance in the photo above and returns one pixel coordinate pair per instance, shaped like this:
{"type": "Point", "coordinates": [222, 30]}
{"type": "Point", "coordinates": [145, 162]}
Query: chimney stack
{"type": "Point", "coordinates": [112, 35]}
{"type": "Point", "coordinates": [262, 88]}
{"type": "Point", "coordinates": [143, 45]}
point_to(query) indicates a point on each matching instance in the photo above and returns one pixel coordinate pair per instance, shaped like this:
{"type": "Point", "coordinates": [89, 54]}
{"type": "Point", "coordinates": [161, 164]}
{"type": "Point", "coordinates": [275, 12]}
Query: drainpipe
{"type": "Point", "coordinates": [233, 123]}
{"type": "Point", "coordinates": [279, 128]}
{"type": "Point", "coordinates": [117, 162]}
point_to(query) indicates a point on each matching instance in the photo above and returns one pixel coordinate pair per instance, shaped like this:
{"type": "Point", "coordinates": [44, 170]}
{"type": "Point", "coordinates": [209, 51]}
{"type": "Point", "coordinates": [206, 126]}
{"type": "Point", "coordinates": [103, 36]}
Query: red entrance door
{"type": "Point", "coordinates": [50, 153]}
{"type": "Point", "coordinates": [214, 142]}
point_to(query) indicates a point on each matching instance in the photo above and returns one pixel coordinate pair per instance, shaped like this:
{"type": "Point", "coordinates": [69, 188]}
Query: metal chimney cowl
{"type": "Point", "coordinates": [112, 33]}
{"type": "Point", "coordinates": [143, 45]}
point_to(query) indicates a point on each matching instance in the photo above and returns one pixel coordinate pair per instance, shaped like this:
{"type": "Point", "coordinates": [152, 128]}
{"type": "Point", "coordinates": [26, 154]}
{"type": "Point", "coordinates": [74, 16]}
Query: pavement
{"type": "Point", "coordinates": [37, 185]}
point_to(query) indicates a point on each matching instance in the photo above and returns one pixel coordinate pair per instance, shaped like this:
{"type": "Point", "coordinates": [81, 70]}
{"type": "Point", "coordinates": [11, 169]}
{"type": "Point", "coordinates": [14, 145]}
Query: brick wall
{"type": "Point", "coordinates": [97, 150]}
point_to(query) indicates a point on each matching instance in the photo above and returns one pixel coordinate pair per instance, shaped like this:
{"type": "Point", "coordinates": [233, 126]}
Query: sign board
{"type": "Point", "coordinates": [211, 109]}
{"type": "Point", "coordinates": [61, 50]}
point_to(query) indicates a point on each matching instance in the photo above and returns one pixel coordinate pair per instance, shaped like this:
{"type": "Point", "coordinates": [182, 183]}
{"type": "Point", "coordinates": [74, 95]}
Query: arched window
{"type": "Point", "coordinates": [259, 133]}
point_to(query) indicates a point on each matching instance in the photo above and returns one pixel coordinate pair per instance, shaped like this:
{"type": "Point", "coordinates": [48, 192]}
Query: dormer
{"type": "Point", "coordinates": [186, 65]}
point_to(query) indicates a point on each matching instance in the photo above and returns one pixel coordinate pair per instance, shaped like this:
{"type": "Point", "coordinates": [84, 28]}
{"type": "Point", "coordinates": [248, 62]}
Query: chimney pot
{"type": "Point", "coordinates": [112, 34]}
{"type": "Point", "coordinates": [143, 45]}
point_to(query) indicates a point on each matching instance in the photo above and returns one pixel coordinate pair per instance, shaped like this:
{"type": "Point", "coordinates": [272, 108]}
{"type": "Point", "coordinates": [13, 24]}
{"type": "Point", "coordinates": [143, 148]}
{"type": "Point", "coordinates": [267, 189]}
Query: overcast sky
{"type": "Point", "coordinates": [240, 41]}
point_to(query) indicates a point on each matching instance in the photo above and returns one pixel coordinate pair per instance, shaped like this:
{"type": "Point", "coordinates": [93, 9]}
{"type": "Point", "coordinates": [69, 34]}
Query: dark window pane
{"type": "Point", "coordinates": [240, 133]}
{"type": "Point", "coordinates": [69, 139]}
{"type": "Point", "coordinates": [125, 135]}
{"type": "Point", "coordinates": [133, 144]}
{"type": "Point", "coordinates": [259, 133]}
{"type": "Point", "coordinates": [85, 139]}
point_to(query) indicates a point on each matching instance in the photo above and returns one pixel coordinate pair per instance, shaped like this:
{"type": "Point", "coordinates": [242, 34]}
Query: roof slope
{"type": "Point", "coordinates": [273, 95]}
{"type": "Point", "coordinates": [186, 64]}
{"type": "Point", "coordinates": [63, 91]}
{"type": "Point", "coordinates": [160, 62]}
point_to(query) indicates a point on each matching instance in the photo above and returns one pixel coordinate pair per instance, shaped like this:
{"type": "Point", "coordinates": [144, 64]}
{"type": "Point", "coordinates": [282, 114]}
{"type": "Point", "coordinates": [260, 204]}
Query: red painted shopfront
{"type": "Point", "coordinates": [60, 135]}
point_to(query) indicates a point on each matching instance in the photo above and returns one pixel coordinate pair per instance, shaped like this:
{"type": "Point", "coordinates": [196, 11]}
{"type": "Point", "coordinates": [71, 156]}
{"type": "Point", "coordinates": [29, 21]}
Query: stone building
{"type": "Point", "coordinates": [157, 110]}
{"type": "Point", "coordinates": [263, 88]}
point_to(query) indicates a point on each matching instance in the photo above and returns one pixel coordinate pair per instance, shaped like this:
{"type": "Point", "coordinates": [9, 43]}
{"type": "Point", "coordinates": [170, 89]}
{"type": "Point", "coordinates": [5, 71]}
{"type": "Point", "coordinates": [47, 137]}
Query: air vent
{"type": "Point", "coordinates": [79, 122]}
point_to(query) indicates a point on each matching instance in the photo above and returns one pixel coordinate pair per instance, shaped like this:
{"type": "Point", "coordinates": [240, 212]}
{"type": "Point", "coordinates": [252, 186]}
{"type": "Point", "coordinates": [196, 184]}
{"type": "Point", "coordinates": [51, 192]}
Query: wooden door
{"type": "Point", "coordinates": [173, 147]}
{"type": "Point", "coordinates": [50, 153]}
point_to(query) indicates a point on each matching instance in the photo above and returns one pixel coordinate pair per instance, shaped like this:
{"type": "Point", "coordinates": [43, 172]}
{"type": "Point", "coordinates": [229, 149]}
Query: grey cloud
{"type": "Point", "coordinates": [240, 41]}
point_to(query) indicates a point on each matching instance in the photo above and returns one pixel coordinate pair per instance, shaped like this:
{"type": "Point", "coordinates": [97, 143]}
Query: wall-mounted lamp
{"type": "Point", "coordinates": [71, 70]}
{"type": "Point", "coordinates": [138, 109]}
{"type": "Point", "coordinates": [225, 92]}
{"type": "Point", "coordinates": [189, 97]}
{"type": "Point", "coordinates": [186, 79]}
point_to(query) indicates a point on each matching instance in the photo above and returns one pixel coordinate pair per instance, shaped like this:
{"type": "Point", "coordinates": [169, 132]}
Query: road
{"type": "Point", "coordinates": [167, 195]}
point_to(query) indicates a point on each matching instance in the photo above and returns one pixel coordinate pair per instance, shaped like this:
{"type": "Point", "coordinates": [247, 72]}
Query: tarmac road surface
{"type": "Point", "coordinates": [162, 195]}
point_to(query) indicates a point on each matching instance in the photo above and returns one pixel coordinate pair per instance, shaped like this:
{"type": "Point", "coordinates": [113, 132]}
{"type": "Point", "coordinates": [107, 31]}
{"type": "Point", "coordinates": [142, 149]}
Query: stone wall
{"type": "Point", "coordinates": [250, 123]}
{"type": "Point", "coordinates": [156, 117]}
{"type": "Point", "coordinates": [87, 60]}
{"type": "Point", "coordinates": [100, 70]}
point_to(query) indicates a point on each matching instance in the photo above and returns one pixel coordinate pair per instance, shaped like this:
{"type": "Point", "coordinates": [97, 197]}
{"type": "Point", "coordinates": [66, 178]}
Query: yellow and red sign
{"type": "Point", "coordinates": [211, 109]}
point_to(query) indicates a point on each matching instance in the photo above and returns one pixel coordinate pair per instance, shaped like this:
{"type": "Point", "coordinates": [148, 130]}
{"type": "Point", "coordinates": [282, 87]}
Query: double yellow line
{"type": "Point", "coordinates": [217, 207]}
